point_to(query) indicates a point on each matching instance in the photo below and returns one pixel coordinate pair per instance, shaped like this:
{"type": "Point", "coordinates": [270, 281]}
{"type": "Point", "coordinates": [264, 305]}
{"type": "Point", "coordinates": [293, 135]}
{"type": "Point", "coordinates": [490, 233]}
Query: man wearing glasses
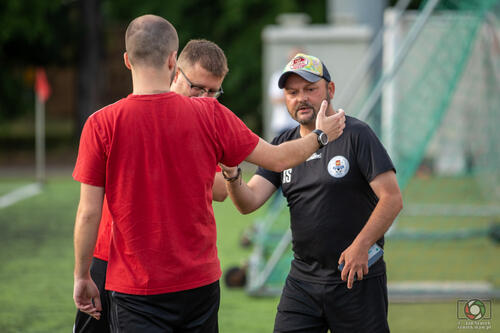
{"type": "Point", "coordinates": [201, 68]}
{"type": "Point", "coordinates": [206, 64]}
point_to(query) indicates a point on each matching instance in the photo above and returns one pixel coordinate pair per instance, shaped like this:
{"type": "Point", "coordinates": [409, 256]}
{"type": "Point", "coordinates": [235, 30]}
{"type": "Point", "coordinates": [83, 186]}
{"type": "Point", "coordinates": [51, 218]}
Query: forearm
{"type": "Point", "coordinates": [285, 155]}
{"type": "Point", "coordinates": [248, 197]}
{"type": "Point", "coordinates": [86, 230]}
{"type": "Point", "coordinates": [87, 221]}
{"type": "Point", "coordinates": [293, 153]}
{"type": "Point", "coordinates": [382, 217]}
{"type": "Point", "coordinates": [243, 197]}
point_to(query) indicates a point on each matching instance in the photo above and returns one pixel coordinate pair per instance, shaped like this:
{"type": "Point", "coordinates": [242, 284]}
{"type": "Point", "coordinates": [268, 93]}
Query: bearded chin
{"type": "Point", "coordinates": [308, 120]}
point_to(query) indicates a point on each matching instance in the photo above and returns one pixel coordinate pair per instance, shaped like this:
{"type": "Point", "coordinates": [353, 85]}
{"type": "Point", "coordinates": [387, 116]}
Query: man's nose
{"type": "Point", "coordinates": [303, 96]}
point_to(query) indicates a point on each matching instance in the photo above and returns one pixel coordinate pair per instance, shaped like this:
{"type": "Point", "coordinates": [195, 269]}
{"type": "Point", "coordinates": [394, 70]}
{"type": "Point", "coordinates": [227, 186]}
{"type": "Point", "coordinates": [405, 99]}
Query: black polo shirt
{"type": "Point", "coordinates": [330, 199]}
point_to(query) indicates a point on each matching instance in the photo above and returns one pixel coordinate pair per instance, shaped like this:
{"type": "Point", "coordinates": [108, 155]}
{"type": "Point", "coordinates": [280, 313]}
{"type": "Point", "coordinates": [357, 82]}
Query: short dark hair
{"type": "Point", "coordinates": [208, 54]}
{"type": "Point", "coordinates": [149, 40]}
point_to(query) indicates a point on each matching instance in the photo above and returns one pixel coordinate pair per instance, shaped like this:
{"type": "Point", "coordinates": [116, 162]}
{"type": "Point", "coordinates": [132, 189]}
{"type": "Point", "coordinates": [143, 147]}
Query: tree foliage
{"type": "Point", "coordinates": [236, 26]}
{"type": "Point", "coordinates": [34, 33]}
{"type": "Point", "coordinates": [49, 32]}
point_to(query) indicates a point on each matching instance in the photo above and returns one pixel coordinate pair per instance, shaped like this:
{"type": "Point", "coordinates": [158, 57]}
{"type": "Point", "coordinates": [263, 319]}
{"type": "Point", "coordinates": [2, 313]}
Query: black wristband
{"type": "Point", "coordinates": [232, 179]}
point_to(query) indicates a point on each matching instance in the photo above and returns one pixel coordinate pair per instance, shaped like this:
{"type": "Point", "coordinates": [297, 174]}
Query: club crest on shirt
{"type": "Point", "coordinates": [338, 166]}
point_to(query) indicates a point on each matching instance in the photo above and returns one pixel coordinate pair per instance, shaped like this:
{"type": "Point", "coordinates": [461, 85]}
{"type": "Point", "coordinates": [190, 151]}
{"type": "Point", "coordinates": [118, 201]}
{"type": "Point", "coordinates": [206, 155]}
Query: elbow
{"type": "Point", "coordinates": [245, 210]}
{"type": "Point", "coordinates": [88, 212]}
{"type": "Point", "coordinates": [393, 202]}
{"type": "Point", "coordinates": [398, 203]}
{"type": "Point", "coordinates": [219, 197]}
{"type": "Point", "coordinates": [88, 216]}
{"type": "Point", "coordinates": [219, 191]}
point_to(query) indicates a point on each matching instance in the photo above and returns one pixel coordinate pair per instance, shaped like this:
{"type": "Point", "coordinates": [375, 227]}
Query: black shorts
{"type": "Point", "coordinates": [312, 307]}
{"type": "Point", "coordinates": [85, 323]}
{"type": "Point", "coordinates": [190, 311]}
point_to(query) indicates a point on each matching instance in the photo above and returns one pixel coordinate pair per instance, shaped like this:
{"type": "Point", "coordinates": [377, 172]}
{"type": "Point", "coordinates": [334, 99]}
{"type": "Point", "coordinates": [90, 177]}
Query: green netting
{"type": "Point", "coordinates": [426, 83]}
{"type": "Point", "coordinates": [484, 138]}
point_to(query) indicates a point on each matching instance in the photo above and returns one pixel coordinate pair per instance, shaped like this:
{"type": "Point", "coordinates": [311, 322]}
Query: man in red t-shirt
{"type": "Point", "coordinates": [206, 66]}
{"type": "Point", "coordinates": [154, 154]}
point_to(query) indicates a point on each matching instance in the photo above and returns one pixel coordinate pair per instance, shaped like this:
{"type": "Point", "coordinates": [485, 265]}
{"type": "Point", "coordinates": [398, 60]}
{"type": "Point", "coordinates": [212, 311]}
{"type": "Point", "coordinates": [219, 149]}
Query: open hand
{"type": "Point", "coordinates": [332, 125]}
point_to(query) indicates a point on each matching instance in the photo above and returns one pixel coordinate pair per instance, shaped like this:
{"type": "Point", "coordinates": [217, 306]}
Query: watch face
{"type": "Point", "coordinates": [323, 138]}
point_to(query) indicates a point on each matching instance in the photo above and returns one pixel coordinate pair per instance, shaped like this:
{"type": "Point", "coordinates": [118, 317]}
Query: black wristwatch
{"type": "Point", "coordinates": [322, 137]}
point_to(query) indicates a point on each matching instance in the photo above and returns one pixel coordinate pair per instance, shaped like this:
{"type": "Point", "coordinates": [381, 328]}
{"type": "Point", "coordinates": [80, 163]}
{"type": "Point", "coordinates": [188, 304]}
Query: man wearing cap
{"type": "Point", "coordinates": [342, 200]}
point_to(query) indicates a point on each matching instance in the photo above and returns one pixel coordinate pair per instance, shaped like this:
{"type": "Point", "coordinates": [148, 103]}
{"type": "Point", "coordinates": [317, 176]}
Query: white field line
{"type": "Point", "coordinates": [451, 210]}
{"type": "Point", "coordinates": [438, 291]}
{"type": "Point", "coordinates": [20, 194]}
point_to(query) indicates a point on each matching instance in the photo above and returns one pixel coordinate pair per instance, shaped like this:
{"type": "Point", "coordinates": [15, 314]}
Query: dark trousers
{"type": "Point", "coordinates": [189, 311]}
{"type": "Point", "coordinates": [312, 307]}
{"type": "Point", "coordinates": [85, 323]}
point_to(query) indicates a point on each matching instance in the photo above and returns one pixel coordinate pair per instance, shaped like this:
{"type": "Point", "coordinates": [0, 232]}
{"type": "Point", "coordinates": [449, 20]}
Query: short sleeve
{"type": "Point", "coordinates": [90, 165]}
{"type": "Point", "coordinates": [236, 139]}
{"type": "Point", "coordinates": [372, 157]}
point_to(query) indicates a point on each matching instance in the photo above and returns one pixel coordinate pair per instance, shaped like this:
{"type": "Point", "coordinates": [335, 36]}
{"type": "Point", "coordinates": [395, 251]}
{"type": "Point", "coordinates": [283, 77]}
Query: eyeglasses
{"type": "Point", "coordinates": [199, 91]}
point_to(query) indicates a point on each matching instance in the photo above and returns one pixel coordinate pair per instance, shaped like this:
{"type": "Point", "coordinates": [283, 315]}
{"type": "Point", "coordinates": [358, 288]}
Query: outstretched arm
{"type": "Point", "coordinates": [85, 293]}
{"type": "Point", "coordinates": [390, 203]}
{"type": "Point", "coordinates": [292, 153]}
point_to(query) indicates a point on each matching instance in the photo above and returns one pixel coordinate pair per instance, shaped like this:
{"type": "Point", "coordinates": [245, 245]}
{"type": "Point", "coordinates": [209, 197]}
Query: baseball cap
{"type": "Point", "coordinates": [308, 67]}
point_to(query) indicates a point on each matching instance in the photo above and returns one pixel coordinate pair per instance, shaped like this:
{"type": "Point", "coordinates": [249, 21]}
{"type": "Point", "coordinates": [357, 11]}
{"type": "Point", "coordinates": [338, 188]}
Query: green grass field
{"type": "Point", "coordinates": [36, 256]}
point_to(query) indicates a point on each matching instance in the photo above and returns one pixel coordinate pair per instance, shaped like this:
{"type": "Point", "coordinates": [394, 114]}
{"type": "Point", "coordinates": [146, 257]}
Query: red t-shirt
{"type": "Point", "coordinates": [156, 156]}
{"type": "Point", "coordinates": [101, 250]}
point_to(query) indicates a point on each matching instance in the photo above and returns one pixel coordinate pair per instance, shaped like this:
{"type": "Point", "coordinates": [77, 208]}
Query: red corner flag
{"type": "Point", "coordinates": [42, 86]}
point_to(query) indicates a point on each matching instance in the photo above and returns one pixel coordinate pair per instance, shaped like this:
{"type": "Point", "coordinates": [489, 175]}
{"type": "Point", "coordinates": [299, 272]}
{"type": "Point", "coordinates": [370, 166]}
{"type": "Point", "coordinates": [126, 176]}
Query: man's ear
{"type": "Point", "coordinates": [126, 60]}
{"type": "Point", "coordinates": [172, 60]}
{"type": "Point", "coordinates": [176, 75]}
{"type": "Point", "coordinates": [331, 89]}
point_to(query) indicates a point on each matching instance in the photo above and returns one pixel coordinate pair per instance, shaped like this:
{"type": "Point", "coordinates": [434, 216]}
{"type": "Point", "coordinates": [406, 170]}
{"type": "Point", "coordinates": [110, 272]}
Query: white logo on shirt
{"type": "Point", "coordinates": [314, 156]}
{"type": "Point", "coordinates": [338, 166]}
{"type": "Point", "coordinates": [287, 176]}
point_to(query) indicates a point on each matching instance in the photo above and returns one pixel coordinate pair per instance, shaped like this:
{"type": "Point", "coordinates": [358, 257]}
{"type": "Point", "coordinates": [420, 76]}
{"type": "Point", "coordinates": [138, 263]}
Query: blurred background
{"type": "Point", "coordinates": [425, 74]}
{"type": "Point", "coordinates": [80, 44]}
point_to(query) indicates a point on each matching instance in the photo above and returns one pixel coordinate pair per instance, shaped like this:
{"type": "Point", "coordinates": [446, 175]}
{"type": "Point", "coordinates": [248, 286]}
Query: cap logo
{"type": "Point", "coordinates": [298, 62]}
